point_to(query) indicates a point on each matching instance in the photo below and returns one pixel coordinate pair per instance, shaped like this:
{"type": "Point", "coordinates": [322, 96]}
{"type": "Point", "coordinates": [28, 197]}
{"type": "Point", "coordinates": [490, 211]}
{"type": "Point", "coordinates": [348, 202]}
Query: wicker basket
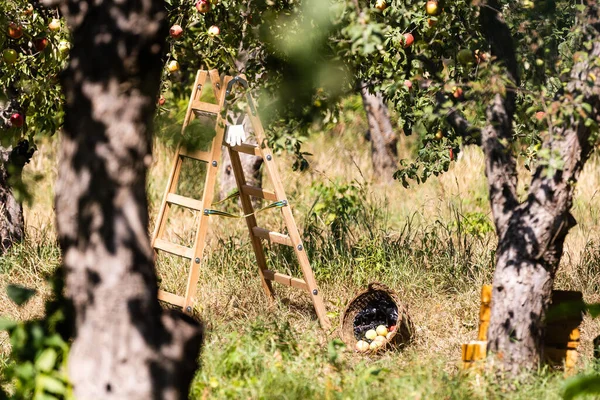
{"type": "Point", "coordinates": [376, 292]}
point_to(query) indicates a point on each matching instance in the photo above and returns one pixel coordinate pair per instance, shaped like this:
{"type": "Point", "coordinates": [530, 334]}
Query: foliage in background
{"type": "Point", "coordinates": [37, 368]}
{"type": "Point", "coordinates": [30, 83]}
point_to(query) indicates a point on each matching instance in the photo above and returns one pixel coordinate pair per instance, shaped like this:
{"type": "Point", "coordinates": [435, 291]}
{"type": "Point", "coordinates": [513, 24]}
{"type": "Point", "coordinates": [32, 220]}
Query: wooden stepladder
{"type": "Point", "coordinates": [222, 90]}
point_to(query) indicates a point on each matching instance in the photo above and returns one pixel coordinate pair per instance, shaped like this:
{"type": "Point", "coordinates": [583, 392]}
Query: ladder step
{"type": "Point", "coordinates": [173, 248]}
{"type": "Point", "coordinates": [199, 155]}
{"type": "Point", "coordinates": [259, 192]}
{"type": "Point", "coordinates": [273, 237]}
{"type": "Point", "coordinates": [251, 149]}
{"type": "Point", "coordinates": [285, 279]}
{"type": "Point", "coordinates": [171, 298]}
{"type": "Point", "coordinates": [183, 201]}
{"type": "Point", "coordinates": [206, 107]}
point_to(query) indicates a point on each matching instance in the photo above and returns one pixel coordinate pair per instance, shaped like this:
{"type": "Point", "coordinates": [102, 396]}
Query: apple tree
{"type": "Point", "coordinates": [520, 80]}
{"type": "Point", "coordinates": [33, 47]}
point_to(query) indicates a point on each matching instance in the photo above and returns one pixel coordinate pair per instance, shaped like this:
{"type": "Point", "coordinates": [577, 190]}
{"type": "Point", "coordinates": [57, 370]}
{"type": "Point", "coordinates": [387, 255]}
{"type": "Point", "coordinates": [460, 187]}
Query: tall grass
{"type": "Point", "coordinates": [433, 243]}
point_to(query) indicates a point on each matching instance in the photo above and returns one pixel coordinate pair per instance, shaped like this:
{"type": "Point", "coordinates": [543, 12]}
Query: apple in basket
{"type": "Point", "coordinates": [362, 346]}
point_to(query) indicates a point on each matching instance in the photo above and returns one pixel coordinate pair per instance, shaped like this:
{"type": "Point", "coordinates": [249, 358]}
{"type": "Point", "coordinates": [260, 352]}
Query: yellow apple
{"type": "Point", "coordinates": [371, 334]}
{"type": "Point", "coordinates": [382, 330]}
{"type": "Point", "coordinates": [173, 66]}
{"type": "Point", "coordinates": [54, 25]}
{"type": "Point", "coordinates": [381, 5]}
{"type": "Point", "coordinates": [362, 346]}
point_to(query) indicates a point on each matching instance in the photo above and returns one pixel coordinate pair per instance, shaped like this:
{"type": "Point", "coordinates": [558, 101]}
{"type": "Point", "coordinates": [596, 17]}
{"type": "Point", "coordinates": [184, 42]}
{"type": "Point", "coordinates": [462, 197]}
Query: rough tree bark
{"type": "Point", "coordinates": [12, 161]}
{"type": "Point", "coordinates": [126, 346]}
{"type": "Point", "coordinates": [12, 225]}
{"type": "Point", "coordinates": [531, 233]}
{"type": "Point", "coordinates": [384, 141]}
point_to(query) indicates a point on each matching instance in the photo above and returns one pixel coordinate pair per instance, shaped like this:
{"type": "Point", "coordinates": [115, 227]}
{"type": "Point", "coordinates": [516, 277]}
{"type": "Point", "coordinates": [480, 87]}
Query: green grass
{"type": "Point", "coordinates": [432, 243]}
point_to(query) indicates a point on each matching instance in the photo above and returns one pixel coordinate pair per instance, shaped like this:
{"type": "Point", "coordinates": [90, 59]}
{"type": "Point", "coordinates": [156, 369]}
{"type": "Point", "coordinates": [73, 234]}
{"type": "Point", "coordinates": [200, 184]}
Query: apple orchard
{"type": "Point", "coordinates": [514, 77]}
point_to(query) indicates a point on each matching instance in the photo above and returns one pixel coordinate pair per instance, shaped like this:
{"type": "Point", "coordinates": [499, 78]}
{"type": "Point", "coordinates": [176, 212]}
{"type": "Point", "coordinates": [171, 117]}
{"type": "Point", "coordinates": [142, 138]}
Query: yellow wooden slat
{"type": "Point", "coordinates": [285, 279]}
{"type": "Point", "coordinates": [206, 107]}
{"type": "Point", "coordinates": [259, 192]}
{"type": "Point", "coordinates": [247, 149]}
{"type": "Point", "coordinates": [173, 248]}
{"type": "Point", "coordinates": [199, 155]}
{"type": "Point", "coordinates": [273, 237]}
{"type": "Point", "coordinates": [170, 298]}
{"type": "Point", "coordinates": [183, 201]}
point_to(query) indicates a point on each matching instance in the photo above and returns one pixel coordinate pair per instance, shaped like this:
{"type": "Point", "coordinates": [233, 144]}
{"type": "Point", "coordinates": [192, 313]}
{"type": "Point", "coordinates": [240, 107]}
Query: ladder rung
{"type": "Point", "coordinates": [273, 237]}
{"type": "Point", "coordinates": [199, 155]}
{"type": "Point", "coordinates": [184, 201]}
{"type": "Point", "coordinates": [173, 248]}
{"type": "Point", "coordinates": [258, 192]}
{"type": "Point", "coordinates": [171, 298]}
{"type": "Point", "coordinates": [285, 279]}
{"type": "Point", "coordinates": [206, 107]}
{"type": "Point", "coordinates": [251, 149]}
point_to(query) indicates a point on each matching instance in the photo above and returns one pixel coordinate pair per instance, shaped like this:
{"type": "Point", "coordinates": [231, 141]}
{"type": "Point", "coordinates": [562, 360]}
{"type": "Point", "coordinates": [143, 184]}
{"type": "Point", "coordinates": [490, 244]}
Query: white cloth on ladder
{"type": "Point", "coordinates": [235, 135]}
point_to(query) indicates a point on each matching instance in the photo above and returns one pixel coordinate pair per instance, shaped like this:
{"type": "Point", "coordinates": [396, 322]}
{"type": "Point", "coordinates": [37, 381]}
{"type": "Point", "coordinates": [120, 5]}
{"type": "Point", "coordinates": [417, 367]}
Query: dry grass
{"type": "Point", "coordinates": [435, 269]}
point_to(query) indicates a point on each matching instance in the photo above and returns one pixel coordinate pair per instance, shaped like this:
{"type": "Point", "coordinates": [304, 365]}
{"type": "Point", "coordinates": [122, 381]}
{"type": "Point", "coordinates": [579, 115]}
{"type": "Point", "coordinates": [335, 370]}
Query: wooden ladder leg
{"type": "Point", "coordinates": [240, 179]}
{"type": "Point", "coordinates": [299, 249]}
{"type": "Point", "coordinates": [177, 161]}
{"type": "Point", "coordinates": [163, 212]}
{"type": "Point", "coordinates": [207, 199]}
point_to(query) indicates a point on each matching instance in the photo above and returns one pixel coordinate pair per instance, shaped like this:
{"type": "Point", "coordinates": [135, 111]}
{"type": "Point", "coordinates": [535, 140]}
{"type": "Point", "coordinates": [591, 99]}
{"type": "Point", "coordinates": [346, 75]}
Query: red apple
{"type": "Point", "coordinates": [28, 10]}
{"type": "Point", "coordinates": [176, 31]}
{"type": "Point", "coordinates": [451, 154]}
{"type": "Point", "coordinates": [408, 39]}
{"type": "Point", "coordinates": [457, 93]}
{"type": "Point", "coordinates": [54, 25]}
{"type": "Point", "coordinates": [408, 84]}
{"type": "Point", "coordinates": [40, 43]}
{"type": "Point", "coordinates": [203, 6]}
{"type": "Point", "coordinates": [17, 120]}
{"type": "Point", "coordinates": [9, 56]}
{"type": "Point", "coordinates": [432, 8]}
{"type": "Point", "coordinates": [431, 22]}
{"type": "Point", "coordinates": [15, 31]}
{"type": "Point", "coordinates": [214, 31]}
{"type": "Point", "coordinates": [161, 100]}
{"type": "Point", "coordinates": [540, 115]}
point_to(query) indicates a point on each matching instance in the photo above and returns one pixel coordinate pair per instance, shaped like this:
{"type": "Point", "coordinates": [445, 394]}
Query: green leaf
{"type": "Point", "coordinates": [581, 385]}
{"type": "Point", "coordinates": [51, 384]}
{"type": "Point", "coordinates": [19, 294]}
{"type": "Point", "coordinates": [7, 324]}
{"type": "Point", "coordinates": [46, 360]}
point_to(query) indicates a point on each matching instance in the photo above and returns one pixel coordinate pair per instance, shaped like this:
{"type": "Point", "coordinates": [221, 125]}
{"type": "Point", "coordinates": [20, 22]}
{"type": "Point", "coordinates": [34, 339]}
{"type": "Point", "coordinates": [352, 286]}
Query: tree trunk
{"type": "Point", "coordinates": [126, 346]}
{"type": "Point", "coordinates": [531, 234]}
{"type": "Point", "coordinates": [384, 142]}
{"type": "Point", "coordinates": [12, 227]}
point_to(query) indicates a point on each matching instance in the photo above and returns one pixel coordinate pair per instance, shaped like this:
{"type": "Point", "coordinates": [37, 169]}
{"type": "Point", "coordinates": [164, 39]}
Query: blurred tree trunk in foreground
{"type": "Point", "coordinates": [126, 346]}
